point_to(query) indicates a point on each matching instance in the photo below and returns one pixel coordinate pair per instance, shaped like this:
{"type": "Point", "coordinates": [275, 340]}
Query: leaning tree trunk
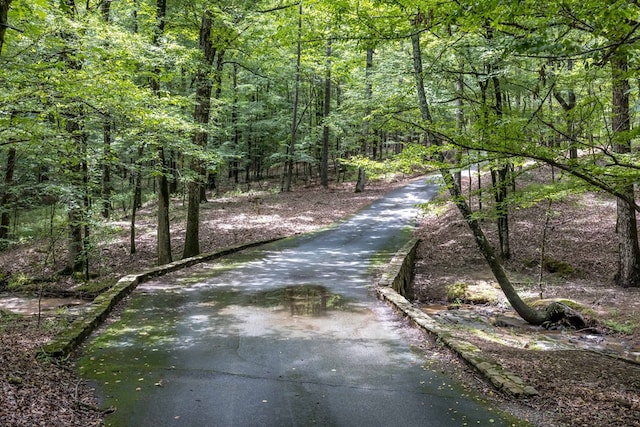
{"type": "Point", "coordinates": [529, 314]}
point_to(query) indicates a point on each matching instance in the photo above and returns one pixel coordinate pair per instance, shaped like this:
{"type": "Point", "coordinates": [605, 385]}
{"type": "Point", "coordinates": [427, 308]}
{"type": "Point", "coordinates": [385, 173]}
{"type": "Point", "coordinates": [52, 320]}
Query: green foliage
{"type": "Point", "coordinates": [18, 281]}
{"type": "Point", "coordinates": [625, 328]}
{"type": "Point", "coordinates": [63, 69]}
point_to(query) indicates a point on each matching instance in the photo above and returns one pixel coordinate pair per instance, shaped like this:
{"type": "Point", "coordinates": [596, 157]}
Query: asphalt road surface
{"type": "Point", "coordinates": [290, 334]}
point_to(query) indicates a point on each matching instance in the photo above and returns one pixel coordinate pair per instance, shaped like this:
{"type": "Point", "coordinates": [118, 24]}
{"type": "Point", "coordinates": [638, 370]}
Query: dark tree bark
{"type": "Point", "coordinates": [628, 274]}
{"type": "Point", "coordinates": [77, 260]}
{"type": "Point", "coordinates": [368, 96]}
{"type": "Point", "coordinates": [137, 200]}
{"type": "Point", "coordinates": [5, 216]}
{"type": "Point", "coordinates": [500, 176]}
{"type": "Point", "coordinates": [4, 20]}
{"type": "Point", "coordinates": [233, 164]}
{"type": "Point", "coordinates": [568, 105]}
{"type": "Point", "coordinates": [294, 122]}
{"type": "Point", "coordinates": [106, 169]}
{"type": "Point", "coordinates": [163, 231]}
{"type": "Point", "coordinates": [204, 87]}
{"type": "Point", "coordinates": [324, 156]}
{"type": "Point", "coordinates": [105, 9]}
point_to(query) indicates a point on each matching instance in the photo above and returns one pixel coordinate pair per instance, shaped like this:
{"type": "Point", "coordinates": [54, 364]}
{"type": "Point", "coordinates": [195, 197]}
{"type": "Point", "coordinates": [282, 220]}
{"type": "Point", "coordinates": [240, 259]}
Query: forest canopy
{"type": "Point", "coordinates": [107, 104]}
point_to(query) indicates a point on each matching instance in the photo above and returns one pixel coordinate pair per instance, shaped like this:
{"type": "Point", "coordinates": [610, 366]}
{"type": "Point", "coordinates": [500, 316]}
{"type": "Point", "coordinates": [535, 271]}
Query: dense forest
{"type": "Point", "coordinates": [109, 104]}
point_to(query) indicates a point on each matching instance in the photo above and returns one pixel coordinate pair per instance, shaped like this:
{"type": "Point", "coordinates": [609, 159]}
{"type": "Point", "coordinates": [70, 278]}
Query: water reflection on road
{"type": "Point", "coordinates": [289, 334]}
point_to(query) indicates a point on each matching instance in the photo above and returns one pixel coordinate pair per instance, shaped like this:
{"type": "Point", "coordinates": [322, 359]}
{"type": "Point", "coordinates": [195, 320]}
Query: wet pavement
{"type": "Point", "coordinates": [290, 334]}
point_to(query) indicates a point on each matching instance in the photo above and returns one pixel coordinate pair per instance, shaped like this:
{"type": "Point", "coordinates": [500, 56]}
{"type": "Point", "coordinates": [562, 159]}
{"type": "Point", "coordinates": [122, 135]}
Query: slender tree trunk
{"type": "Point", "coordinates": [5, 216]}
{"type": "Point", "coordinates": [567, 106]}
{"type": "Point", "coordinates": [368, 95]}
{"type": "Point", "coordinates": [106, 169]}
{"type": "Point", "coordinates": [425, 113]}
{"type": "Point", "coordinates": [76, 256]}
{"type": "Point", "coordinates": [76, 247]}
{"type": "Point", "coordinates": [204, 87]}
{"type": "Point", "coordinates": [137, 200]}
{"type": "Point", "coordinates": [294, 122]}
{"type": "Point", "coordinates": [526, 312]}
{"type": "Point", "coordinates": [4, 18]}
{"type": "Point", "coordinates": [459, 120]}
{"type": "Point", "coordinates": [529, 314]}
{"type": "Point", "coordinates": [163, 231]}
{"type": "Point", "coordinates": [324, 156]}
{"type": "Point", "coordinates": [628, 274]}
{"type": "Point", "coordinates": [500, 184]}
{"type": "Point", "coordinates": [233, 164]}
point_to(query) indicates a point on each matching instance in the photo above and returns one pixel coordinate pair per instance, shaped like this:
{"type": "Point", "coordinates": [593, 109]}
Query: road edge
{"type": "Point", "coordinates": [65, 342]}
{"type": "Point", "coordinates": [394, 281]}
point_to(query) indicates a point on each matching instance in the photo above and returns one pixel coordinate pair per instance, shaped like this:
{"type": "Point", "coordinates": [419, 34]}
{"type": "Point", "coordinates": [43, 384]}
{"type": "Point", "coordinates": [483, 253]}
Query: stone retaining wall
{"type": "Point", "coordinates": [66, 341]}
{"type": "Point", "coordinates": [393, 285]}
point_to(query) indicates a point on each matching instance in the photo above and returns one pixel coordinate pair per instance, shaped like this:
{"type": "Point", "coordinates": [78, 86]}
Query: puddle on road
{"type": "Point", "coordinates": [300, 300]}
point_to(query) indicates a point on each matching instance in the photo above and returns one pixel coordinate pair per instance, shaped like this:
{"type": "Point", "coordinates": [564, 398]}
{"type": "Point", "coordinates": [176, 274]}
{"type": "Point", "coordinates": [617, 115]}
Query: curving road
{"type": "Point", "coordinates": [287, 335]}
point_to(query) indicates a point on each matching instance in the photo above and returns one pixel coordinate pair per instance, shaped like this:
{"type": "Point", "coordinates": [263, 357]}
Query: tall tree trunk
{"type": "Point", "coordinates": [459, 121]}
{"type": "Point", "coordinates": [106, 169]}
{"type": "Point", "coordinates": [204, 87]}
{"type": "Point", "coordinates": [137, 200]}
{"type": "Point", "coordinates": [425, 113]}
{"type": "Point", "coordinates": [500, 184]}
{"type": "Point", "coordinates": [294, 122]}
{"type": "Point", "coordinates": [163, 232]}
{"type": "Point", "coordinates": [233, 164]}
{"type": "Point", "coordinates": [76, 257]}
{"type": "Point", "coordinates": [5, 216]}
{"type": "Point", "coordinates": [4, 20]}
{"type": "Point", "coordinates": [324, 156]}
{"type": "Point", "coordinates": [628, 274]}
{"type": "Point", "coordinates": [368, 96]}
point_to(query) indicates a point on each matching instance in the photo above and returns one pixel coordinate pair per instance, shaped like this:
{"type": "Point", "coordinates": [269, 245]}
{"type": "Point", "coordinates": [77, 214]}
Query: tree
{"type": "Point", "coordinates": [163, 231]}
{"type": "Point", "coordinates": [290, 159]}
{"type": "Point", "coordinates": [324, 162]}
{"type": "Point", "coordinates": [5, 219]}
{"type": "Point", "coordinates": [204, 86]}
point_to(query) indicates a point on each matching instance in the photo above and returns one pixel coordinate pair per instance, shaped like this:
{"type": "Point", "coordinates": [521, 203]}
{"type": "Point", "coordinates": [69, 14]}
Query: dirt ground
{"type": "Point", "coordinates": [584, 378]}
{"type": "Point", "coordinates": [577, 388]}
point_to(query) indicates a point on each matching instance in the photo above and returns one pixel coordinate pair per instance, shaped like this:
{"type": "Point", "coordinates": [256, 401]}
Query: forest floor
{"type": "Point", "coordinates": [584, 378]}
{"type": "Point", "coordinates": [577, 388]}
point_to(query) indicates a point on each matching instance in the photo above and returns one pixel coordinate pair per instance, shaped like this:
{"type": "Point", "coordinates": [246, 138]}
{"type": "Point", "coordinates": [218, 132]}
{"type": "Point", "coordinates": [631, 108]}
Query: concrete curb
{"type": "Point", "coordinates": [399, 271]}
{"type": "Point", "coordinates": [68, 340]}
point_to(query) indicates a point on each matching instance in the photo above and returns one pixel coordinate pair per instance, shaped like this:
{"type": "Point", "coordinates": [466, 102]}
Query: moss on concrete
{"type": "Point", "coordinates": [64, 343]}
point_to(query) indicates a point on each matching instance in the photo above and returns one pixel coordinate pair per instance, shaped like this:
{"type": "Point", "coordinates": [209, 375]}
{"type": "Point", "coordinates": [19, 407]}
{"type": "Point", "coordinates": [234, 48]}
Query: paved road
{"type": "Point", "coordinates": [287, 335]}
